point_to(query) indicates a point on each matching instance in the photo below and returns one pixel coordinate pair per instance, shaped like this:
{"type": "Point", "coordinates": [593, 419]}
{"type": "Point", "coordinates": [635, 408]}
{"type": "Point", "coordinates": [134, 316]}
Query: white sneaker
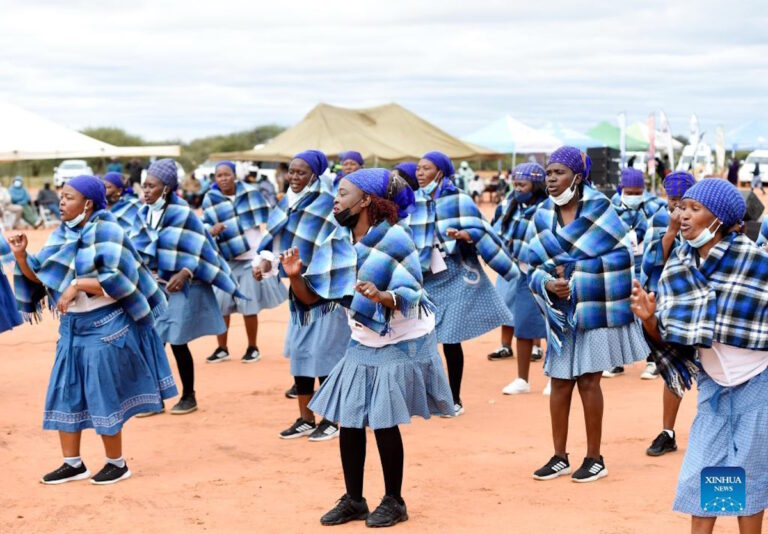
{"type": "Point", "coordinates": [517, 386]}
{"type": "Point", "coordinates": [650, 372]}
{"type": "Point", "coordinates": [548, 389]}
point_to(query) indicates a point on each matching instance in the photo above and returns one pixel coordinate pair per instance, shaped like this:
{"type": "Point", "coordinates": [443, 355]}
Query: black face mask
{"type": "Point", "coordinates": [346, 218]}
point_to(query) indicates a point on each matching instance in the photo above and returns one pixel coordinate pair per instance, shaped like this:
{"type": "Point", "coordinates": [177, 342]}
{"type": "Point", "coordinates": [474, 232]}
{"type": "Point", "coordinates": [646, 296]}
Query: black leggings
{"type": "Point", "coordinates": [305, 385]}
{"type": "Point", "coordinates": [186, 368]}
{"type": "Point", "coordinates": [454, 358]}
{"type": "Point", "coordinates": [352, 448]}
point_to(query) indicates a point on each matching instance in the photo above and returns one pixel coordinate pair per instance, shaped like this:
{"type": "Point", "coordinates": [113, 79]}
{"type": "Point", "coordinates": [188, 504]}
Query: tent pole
{"type": "Point", "coordinates": [375, 161]}
{"type": "Point", "coordinates": [514, 159]}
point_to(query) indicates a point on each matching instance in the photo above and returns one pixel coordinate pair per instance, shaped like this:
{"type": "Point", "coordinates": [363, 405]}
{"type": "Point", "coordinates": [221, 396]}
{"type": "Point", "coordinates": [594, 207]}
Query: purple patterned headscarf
{"type": "Point", "coordinates": [677, 183]}
{"type": "Point", "coordinates": [532, 172]}
{"type": "Point", "coordinates": [574, 159]}
{"type": "Point", "coordinates": [631, 177]}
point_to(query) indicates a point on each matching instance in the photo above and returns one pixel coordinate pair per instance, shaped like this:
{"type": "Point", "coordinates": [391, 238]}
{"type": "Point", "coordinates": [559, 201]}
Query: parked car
{"type": "Point", "coordinates": [748, 166]}
{"type": "Point", "coordinates": [698, 160]}
{"type": "Point", "coordinates": [69, 168]}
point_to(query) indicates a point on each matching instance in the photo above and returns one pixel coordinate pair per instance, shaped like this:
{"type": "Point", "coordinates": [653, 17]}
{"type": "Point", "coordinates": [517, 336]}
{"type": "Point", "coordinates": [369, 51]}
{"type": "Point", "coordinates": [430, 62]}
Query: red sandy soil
{"type": "Point", "coordinates": [224, 469]}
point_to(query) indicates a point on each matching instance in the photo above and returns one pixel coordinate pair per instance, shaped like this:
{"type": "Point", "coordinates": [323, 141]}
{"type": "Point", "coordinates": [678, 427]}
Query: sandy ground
{"type": "Point", "coordinates": [223, 468]}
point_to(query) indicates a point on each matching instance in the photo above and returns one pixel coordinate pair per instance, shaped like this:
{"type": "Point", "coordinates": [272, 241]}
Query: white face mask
{"type": "Point", "coordinates": [631, 201]}
{"type": "Point", "coordinates": [293, 198]}
{"type": "Point", "coordinates": [705, 236]}
{"type": "Point", "coordinates": [74, 223]}
{"type": "Point", "coordinates": [158, 204]}
{"type": "Point", "coordinates": [565, 197]}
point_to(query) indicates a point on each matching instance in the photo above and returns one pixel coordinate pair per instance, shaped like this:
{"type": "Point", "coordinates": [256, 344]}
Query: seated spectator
{"type": "Point", "coordinates": [115, 166]}
{"type": "Point", "coordinates": [266, 189]}
{"type": "Point", "coordinates": [20, 197]}
{"type": "Point", "coordinates": [6, 206]}
{"type": "Point", "coordinates": [48, 198]}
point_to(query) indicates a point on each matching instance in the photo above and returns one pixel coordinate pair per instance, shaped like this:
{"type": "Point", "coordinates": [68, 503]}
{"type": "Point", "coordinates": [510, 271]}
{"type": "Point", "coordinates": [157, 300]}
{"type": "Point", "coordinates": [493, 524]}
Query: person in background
{"type": "Point", "coordinates": [115, 166]}
{"type": "Point", "coordinates": [464, 175]}
{"type": "Point", "coordinates": [134, 172]}
{"type": "Point", "coordinates": [20, 197]}
{"type": "Point", "coordinates": [281, 177]}
{"type": "Point", "coordinates": [191, 190]}
{"type": "Point", "coordinates": [265, 187]}
{"type": "Point", "coordinates": [350, 162]}
{"type": "Point", "coordinates": [733, 172]}
{"type": "Point", "coordinates": [7, 206]}
{"type": "Point", "coordinates": [48, 198]}
{"type": "Point", "coordinates": [757, 180]}
{"type": "Point", "coordinates": [407, 170]}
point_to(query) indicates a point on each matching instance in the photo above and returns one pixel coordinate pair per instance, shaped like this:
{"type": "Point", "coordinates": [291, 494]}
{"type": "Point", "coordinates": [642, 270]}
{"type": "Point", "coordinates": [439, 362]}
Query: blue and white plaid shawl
{"type": "Point", "coordinates": [515, 228]}
{"type": "Point", "coordinates": [594, 251]}
{"type": "Point", "coordinates": [723, 299]}
{"type": "Point", "coordinates": [385, 256]}
{"type": "Point", "coordinates": [248, 210]}
{"type": "Point", "coordinates": [762, 239]}
{"type": "Point", "coordinates": [6, 256]}
{"type": "Point", "coordinates": [454, 209]}
{"type": "Point", "coordinates": [305, 225]}
{"type": "Point", "coordinates": [126, 211]}
{"type": "Point", "coordinates": [102, 250]}
{"type": "Point", "coordinates": [181, 241]}
{"type": "Point", "coordinates": [653, 253]}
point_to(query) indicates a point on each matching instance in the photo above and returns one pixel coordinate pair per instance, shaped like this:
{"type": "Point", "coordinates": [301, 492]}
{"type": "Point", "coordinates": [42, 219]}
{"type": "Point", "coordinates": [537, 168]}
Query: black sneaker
{"type": "Point", "coordinates": [324, 431]}
{"type": "Point", "coordinates": [251, 355]}
{"type": "Point", "coordinates": [590, 470]}
{"type": "Point", "coordinates": [66, 473]}
{"type": "Point", "coordinates": [298, 429]}
{"type": "Point", "coordinates": [555, 467]}
{"type": "Point", "coordinates": [219, 355]}
{"type": "Point", "coordinates": [346, 510]}
{"type": "Point", "coordinates": [662, 444]}
{"type": "Point", "coordinates": [537, 354]}
{"type": "Point", "coordinates": [110, 474]}
{"type": "Point", "coordinates": [388, 513]}
{"type": "Point", "coordinates": [501, 353]}
{"type": "Point", "coordinates": [185, 405]}
{"type": "Point", "coordinates": [291, 392]}
{"type": "Point", "coordinates": [616, 371]}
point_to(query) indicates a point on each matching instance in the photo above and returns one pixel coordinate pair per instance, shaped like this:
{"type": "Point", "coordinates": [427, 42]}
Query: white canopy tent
{"type": "Point", "coordinates": [27, 136]}
{"type": "Point", "coordinates": [642, 131]}
{"type": "Point", "coordinates": [510, 136]}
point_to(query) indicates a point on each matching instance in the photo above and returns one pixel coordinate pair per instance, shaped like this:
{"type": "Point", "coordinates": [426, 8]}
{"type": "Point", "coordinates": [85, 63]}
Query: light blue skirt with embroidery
{"type": "Point", "coordinates": [264, 294]}
{"type": "Point", "coordinates": [107, 369]}
{"type": "Point", "coordinates": [316, 348]}
{"type": "Point", "coordinates": [596, 350]}
{"type": "Point", "coordinates": [387, 386]}
{"type": "Point", "coordinates": [730, 430]}
{"type": "Point", "coordinates": [192, 313]}
{"type": "Point", "coordinates": [508, 292]}
{"type": "Point", "coordinates": [9, 313]}
{"type": "Point", "coordinates": [467, 304]}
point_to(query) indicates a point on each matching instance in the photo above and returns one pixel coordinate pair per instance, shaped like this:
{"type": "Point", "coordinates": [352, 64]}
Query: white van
{"type": "Point", "coordinates": [748, 166]}
{"type": "Point", "coordinates": [698, 160]}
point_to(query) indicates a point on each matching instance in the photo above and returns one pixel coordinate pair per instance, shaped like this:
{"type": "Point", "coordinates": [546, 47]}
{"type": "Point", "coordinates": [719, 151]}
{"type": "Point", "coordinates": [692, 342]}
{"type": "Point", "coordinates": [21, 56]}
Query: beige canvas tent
{"type": "Point", "coordinates": [384, 133]}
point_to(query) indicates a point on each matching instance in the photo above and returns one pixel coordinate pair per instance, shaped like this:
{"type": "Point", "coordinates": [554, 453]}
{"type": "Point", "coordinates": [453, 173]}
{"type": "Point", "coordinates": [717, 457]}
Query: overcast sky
{"type": "Point", "coordinates": [183, 69]}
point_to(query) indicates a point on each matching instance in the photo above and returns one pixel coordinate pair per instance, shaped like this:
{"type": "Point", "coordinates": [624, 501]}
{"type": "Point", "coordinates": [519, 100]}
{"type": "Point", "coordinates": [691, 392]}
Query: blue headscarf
{"type": "Point", "coordinates": [227, 164]}
{"type": "Point", "coordinates": [631, 177]}
{"type": "Point", "coordinates": [384, 184]}
{"type": "Point", "coordinates": [408, 168]}
{"type": "Point", "coordinates": [721, 198]}
{"type": "Point", "coordinates": [574, 159]}
{"type": "Point", "coordinates": [353, 155]}
{"type": "Point", "coordinates": [315, 159]}
{"type": "Point", "coordinates": [116, 179]}
{"type": "Point", "coordinates": [91, 188]}
{"type": "Point", "coordinates": [165, 171]}
{"type": "Point", "coordinates": [677, 183]}
{"type": "Point", "coordinates": [442, 162]}
{"type": "Point", "coordinates": [532, 172]}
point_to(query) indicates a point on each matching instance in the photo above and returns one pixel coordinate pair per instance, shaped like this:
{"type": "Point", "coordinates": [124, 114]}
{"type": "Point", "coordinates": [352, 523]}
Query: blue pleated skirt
{"type": "Point", "coordinates": [107, 369]}
{"type": "Point", "coordinates": [593, 351]}
{"type": "Point", "coordinates": [467, 304]}
{"type": "Point", "coordinates": [508, 293]}
{"type": "Point", "coordinates": [386, 386]}
{"type": "Point", "coordinates": [192, 313]}
{"type": "Point", "coordinates": [265, 294]}
{"type": "Point", "coordinates": [529, 319]}
{"type": "Point", "coordinates": [730, 430]}
{"type": "Point", "coordinates": [9, 313]}
{"type": "Point", "coordinates": [316, 348]}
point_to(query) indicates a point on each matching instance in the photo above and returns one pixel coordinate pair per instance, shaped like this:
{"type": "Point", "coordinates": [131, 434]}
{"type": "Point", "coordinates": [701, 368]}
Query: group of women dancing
{"type": "Point", "coordinates": [379, 268]}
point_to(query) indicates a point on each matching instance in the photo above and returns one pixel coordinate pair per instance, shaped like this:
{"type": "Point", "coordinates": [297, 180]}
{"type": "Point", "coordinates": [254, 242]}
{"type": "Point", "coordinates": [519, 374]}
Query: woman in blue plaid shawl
{"type": "Point", "coordinates": [110, 363]}
{"type": "Point", "coordinates": [124, 207]}
{"type": "Point", "coordinates": [712, 300]}
{"type": "Point", "coordinates": [661, 238]}
{"type": "Point", "coordinates": [233, 212]}
{"type": "Point", "coordinates": [513, 222]}
{"type": "Point", "coordinates": [450, 233]}
{"type": "Point", "coordinates": [391, 370]}
{"type": "Point", "coordinates": [302, 220]}
{"type": "Point", "coordinates": [182, 255]}
{"type": "Point", "coordinates": [9, 315]}
{"type": "Point", "coordinates": [581, 274]}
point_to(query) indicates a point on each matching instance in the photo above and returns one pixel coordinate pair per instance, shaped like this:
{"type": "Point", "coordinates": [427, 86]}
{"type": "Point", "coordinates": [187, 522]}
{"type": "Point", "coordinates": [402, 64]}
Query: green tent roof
{"type": "Point", "coordinates": [609, 135]}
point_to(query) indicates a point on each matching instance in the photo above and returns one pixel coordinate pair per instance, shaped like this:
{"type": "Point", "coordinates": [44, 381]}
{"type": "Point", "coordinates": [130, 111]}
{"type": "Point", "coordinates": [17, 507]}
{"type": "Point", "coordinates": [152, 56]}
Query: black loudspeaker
{"type": "Point", "coordinates": [752, 229]}
{"type": "Point", "coordinates": [754, 206]}
{"type": "Point", "coordinates": [605, 166]}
